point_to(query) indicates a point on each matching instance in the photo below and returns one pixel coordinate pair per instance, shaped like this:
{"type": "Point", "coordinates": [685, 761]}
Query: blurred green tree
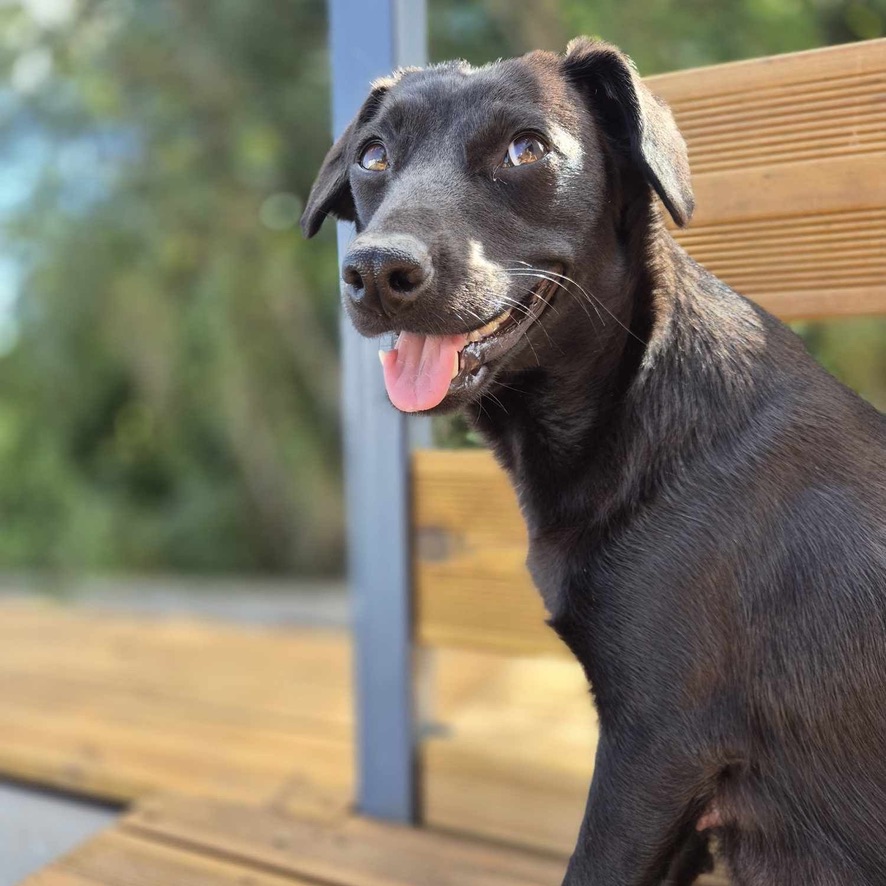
{"type": "Point", "coordinates": [170, 398]}
{"type": "Point", "coordinates": [168, 371]}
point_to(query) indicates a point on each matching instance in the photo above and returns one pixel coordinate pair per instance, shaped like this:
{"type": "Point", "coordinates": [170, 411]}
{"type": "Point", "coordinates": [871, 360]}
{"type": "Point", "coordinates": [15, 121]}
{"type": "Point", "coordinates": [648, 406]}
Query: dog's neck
{"type": "Point", "coordinates": [589, 438]}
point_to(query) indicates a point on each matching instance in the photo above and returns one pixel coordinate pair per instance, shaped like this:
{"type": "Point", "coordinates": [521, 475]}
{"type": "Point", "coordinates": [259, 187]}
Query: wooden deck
{"type": "Point", "coordinates": [119, 708]}
{"type": "Point", "coordinates": [187, 841]}
{"type": "Point", "coordinates": [233, 749]}
{"type": "Point", "coordinates": [192, 842]}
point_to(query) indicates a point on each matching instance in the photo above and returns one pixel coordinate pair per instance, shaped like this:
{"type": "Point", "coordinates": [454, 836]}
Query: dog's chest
{"type": "Point", "coordinates": [580, 606]}
{"type": "Point", "coordinates": [556, 566]}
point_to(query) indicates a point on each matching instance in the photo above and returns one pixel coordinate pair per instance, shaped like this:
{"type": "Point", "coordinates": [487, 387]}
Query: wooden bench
{"type": "Point", "coordinates": [789, 174]}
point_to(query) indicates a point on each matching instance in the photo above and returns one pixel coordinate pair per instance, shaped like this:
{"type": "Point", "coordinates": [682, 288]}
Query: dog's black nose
{"type": "Point", "coordinates": [386, 273]}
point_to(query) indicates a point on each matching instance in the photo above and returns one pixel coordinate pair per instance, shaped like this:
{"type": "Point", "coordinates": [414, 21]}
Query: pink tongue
{"type": "Point", "coordinates": [419, 370]}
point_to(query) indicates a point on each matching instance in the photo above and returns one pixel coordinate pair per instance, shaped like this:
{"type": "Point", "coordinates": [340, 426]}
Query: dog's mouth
{"type": "Point", "coordinates": [422, 370]}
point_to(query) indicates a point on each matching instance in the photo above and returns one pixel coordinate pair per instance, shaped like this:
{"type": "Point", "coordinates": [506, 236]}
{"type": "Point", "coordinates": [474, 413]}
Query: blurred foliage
{"type": "Point", "coordinates": [170, 399]}
{"type": "Point", "coordinates": [168, 370]}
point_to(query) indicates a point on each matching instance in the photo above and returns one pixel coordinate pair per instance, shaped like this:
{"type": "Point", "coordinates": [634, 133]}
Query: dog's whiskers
{"type": "Point", "coordinates": [500, 404]}
{"type": "Point", "coordinates": [536, 274]}
{"type": "Point", "coordinates": [593, 299]}
{"type": "Point", "coordinates": [510, 387]}
{"type": "Point", "coordinates": [526, 311]}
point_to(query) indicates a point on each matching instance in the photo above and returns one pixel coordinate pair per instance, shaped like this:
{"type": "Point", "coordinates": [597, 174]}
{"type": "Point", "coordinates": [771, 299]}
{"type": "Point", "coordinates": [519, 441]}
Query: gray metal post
{"type": "Point", "coordinates": [369, 39]}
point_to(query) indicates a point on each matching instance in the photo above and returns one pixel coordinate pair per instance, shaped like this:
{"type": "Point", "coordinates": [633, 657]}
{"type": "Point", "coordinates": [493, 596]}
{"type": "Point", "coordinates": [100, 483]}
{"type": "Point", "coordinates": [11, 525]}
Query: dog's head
{"type": "Point", "coordinates": [483, 200]}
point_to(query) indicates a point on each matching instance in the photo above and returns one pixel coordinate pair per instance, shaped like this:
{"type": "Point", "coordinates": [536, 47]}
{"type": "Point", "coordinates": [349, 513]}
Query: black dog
{"type": "Point", "coordinates": [705, 505]}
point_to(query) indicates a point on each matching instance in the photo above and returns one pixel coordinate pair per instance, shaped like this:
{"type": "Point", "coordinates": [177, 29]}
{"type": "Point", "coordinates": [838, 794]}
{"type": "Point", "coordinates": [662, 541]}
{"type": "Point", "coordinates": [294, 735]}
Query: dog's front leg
{"type": "Point", "coordinates": [640, 807]}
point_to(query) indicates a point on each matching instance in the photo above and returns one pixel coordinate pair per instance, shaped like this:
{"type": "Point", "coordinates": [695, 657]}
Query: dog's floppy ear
{"type": "Point", "coordinates": [331, 192]}
{"type": "Point", "coordinates": [637, 124]}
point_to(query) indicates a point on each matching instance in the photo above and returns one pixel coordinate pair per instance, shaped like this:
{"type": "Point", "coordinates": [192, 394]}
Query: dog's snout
{"type": "Point", "coordinates": [386, 274]}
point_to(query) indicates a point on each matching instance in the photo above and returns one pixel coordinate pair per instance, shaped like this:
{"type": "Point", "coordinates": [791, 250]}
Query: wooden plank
{"type": "Point", "coordinates": [825, 277]}
{"type": "Point", "coordinates": [762, 111]}
{"type": "Point", "coordinates": [115, 858]}
{"type": "Point", "coordinates": [478, 790]}
{"type": "Point", "coordinates": [131, 644]}
{"type": "Point", "coordinates": [472, 587]}
{"type": "Point", "coordinates": [797, 72]}
{"type": "Point", "coordinates": [55, 876]}
{"type": "Point", "coordinates": [191, 844]}
{"type": "Point", "coordinates": [512, 751]}
{"type": "Point", "coordinates": [97, 758]}
{"type": "Point", "coordinates": [120, 707]}
{"type": "Point", "coordinates": [356, 852]}
{"type": "Point", "coordinates": [786, 144]}
{"type": "Point", "coordinates": [140, 706]}
{"type": "Point", "coordinates": [186, 664]}
{"type": "Point", "coordinates": [803, 188]}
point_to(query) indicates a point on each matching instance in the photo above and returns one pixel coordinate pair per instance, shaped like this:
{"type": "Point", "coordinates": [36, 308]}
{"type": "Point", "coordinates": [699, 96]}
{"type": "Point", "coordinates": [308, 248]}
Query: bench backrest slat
{"type": "Point", "coordinates": [788, 168]}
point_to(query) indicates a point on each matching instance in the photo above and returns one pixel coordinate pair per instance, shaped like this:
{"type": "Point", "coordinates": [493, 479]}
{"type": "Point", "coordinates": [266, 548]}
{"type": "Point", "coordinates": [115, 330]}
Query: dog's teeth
{"type": "Point", "coordinates": [382, 356]}
{"type": "Point", "coordinates": [489, 328]}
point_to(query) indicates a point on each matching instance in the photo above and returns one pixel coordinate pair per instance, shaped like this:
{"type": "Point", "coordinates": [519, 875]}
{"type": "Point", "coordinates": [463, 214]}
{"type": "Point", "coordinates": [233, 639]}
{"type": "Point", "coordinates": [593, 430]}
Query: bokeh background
{"type": "Point", "coordinates": [168, 343]}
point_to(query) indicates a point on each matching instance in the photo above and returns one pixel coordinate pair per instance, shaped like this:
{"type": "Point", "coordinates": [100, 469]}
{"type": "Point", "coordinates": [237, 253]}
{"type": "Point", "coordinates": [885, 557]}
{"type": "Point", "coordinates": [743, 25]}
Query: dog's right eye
{"type": "Point", "coordinates": [524, 149]}
{"type": "Point", "coordinates": [374, 157]}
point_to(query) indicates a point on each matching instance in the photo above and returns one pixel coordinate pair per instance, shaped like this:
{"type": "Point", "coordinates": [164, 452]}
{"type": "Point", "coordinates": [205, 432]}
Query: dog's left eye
{"type": "Point", "coordinates": [374, 157]}
{"type": "Point", "coordinates": [525, 148]}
